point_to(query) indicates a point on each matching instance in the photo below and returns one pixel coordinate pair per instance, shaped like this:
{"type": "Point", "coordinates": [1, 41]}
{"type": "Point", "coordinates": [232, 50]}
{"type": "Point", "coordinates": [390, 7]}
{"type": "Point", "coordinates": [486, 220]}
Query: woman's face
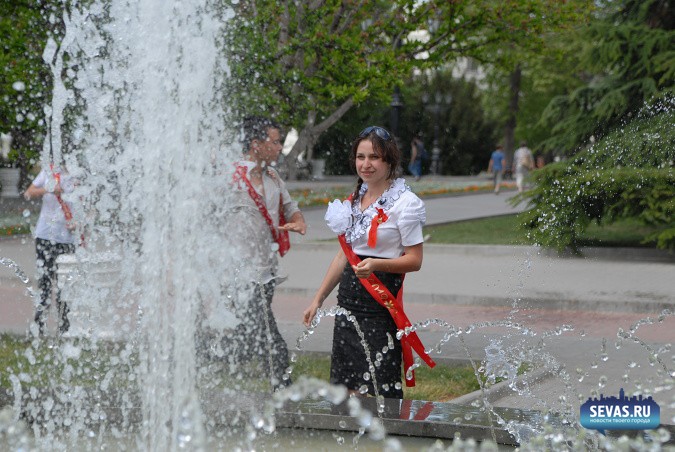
{"type": "Point", "coordinates": [369, 164]}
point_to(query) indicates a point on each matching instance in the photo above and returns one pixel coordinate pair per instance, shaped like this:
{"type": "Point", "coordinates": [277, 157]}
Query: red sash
{"type": "Point", "coordinates": [420, 415]}
{"type": "Point", "coordinates": [66, 209]}
{"type": "Point", "coordinates": [383, 296]}
{"type": "Point", "coordinates": [67, 213]}
{"type": "Point", "coordinates": [281, 237]}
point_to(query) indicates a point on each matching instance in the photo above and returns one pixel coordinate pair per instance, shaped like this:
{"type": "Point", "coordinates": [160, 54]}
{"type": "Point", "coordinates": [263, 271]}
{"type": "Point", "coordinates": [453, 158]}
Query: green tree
{"type": "Point", "coordinates": [626, 106]}
{"type": "Point", "coordinates": [629, 173]}
{"type": "Point", "coordinates": [465, 135]}
{"type": "Point", "coordinates": [309, 62]}
{"type": "Point", "coordinates": [626, 58]}
{"type": "Point", "coordinates": [524, 72]}
{"type": "Point", "coordinates": [25, 80]}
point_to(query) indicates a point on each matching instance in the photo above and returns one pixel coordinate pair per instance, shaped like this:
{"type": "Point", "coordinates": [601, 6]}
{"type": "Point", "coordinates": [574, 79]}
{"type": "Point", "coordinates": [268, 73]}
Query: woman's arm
{"type": "Point", "coordinates": [411, 261]}
{"type": "Point", "coordinates": [38, 192]}
{"type": "Point", "coordinates": [329, 282]}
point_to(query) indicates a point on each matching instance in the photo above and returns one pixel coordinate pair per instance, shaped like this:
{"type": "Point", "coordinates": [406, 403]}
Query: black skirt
{"type": "Point", "coordinates": [349, 363]}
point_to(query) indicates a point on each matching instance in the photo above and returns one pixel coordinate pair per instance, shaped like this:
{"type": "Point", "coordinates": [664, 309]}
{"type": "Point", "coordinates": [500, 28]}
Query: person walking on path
{"type": "Point", "coordinates": [417, 153]}
{"type": "Point", "coordinates": [53, 237]}
{"type": "Point", "coordinates": [523, 163]}
{"type": "Point", "coordinates": [496, 167]}
{"type": "Point", "coordinates": [262, 206]}
{"type": "Point", "coordinates": [380, 234]}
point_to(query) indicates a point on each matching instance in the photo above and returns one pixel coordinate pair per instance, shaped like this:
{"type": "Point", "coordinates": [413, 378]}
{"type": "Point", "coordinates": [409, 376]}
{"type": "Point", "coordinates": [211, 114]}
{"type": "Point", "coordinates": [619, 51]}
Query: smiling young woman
{"type": "Point", "coordinates": [380, 233]}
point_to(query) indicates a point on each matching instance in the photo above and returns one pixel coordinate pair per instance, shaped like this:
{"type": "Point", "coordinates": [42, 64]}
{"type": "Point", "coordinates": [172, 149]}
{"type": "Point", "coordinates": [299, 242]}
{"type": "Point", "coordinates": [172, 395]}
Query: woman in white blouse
{"type": "Point", "coordinates": [384, 203]}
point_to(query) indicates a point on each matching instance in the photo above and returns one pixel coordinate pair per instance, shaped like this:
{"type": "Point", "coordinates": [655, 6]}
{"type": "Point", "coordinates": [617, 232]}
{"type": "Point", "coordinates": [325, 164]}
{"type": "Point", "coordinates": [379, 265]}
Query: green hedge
{"type": "Point", "coordinates": [629, 173]}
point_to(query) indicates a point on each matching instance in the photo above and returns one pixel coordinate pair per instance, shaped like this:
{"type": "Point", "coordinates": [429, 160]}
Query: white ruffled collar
{"type": "Point", "coordinates": [347, 218]}
{"type": "Point", "coordinates": [361, 220]}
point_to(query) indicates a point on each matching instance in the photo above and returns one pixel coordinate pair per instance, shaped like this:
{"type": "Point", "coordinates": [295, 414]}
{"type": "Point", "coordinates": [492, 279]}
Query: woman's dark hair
{"type": "Point", "coordinates": [385, 148]}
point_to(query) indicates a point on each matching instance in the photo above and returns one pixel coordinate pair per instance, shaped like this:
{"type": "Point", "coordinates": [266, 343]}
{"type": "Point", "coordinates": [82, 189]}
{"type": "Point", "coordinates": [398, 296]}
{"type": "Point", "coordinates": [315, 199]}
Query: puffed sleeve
{"type": "Point", "coordinates": [412, 217]}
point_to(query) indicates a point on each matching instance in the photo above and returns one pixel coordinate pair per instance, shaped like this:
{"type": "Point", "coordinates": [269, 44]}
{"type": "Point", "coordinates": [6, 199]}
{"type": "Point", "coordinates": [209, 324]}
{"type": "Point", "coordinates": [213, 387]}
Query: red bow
{"type": "Point", "coordinates": [378, 219]}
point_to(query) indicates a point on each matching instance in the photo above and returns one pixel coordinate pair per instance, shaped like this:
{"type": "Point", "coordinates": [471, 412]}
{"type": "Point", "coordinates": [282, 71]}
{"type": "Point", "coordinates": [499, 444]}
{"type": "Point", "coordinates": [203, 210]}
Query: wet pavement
{"type": "Point", "coordinates": [589, 325]}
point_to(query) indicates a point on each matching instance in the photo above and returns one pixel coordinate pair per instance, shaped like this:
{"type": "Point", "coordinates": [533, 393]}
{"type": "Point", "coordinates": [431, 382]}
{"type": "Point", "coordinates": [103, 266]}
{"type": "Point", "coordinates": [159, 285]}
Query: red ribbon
{"type": "Point", "coordinates": [67, 213]}
{"type": "Point", "coordinates": [281, 237]}
{"type": "Point", "coordinates": [420, 415]}
{"type": "Point", "coordinates": [383, 296]}
{"type": "Point", "coordinates": [378, 219]}
{"type": "Point", "coordinates": [66, 209]}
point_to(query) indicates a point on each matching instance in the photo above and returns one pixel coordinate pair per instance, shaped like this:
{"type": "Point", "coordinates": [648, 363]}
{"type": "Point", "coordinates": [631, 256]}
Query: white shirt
{"type": "Point", "coordinates": [523, 158]}
{"type": "Point", "coordinates": [255, 243]}
{"type": "Point", "coordinates": [51, 224]}
{"type": "Point", "coordinates": [273, 188]}
{"type": "Point", "coordinates": [406, 216]}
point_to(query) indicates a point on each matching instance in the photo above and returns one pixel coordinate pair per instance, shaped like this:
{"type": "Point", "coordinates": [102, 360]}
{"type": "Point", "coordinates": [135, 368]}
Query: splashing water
{"type": "Point", "coordinates": [151, 150]}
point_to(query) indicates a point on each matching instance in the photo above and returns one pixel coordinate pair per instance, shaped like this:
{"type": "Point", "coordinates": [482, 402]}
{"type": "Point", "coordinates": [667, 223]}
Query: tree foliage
{"type": "Point", "coordinates": [309, 62]}
{"type": "Point", "coordinates": [466, 137]}
{"type": "Point", "coordinates": [626, 58]}
{"type": "Point", "coordinates": [25, 80]}
{"type": "Point", "coordinates": [629, 173]}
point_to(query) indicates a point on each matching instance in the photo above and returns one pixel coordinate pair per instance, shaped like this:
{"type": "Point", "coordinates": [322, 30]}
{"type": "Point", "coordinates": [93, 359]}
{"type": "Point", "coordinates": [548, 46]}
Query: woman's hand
{"type": "Point", "coordinates": [310, 313]}
{"type": "Point", "coordinates": [365, 268]}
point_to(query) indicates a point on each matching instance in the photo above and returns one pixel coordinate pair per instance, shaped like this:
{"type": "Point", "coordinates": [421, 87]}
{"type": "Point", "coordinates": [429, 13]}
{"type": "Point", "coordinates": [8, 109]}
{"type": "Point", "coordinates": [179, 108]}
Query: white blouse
{"type": "Point", "coordinates": [406, 216]}
{"type": "Point", "coordinates": [51, 224]}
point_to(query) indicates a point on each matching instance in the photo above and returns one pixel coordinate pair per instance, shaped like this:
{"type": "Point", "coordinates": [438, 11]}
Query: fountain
{"type": "Point", "coordinates": [138, 94]}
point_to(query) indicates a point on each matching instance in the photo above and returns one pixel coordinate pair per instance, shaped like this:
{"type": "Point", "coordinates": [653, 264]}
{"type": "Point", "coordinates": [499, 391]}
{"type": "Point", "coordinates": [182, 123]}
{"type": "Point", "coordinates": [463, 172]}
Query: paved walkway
{"type": "Point", "coordinates": [564, 314]}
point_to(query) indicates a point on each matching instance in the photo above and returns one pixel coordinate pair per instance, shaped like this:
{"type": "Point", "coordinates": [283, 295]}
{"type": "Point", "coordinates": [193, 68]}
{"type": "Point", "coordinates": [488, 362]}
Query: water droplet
{"type": "Point", "coordinates": [363, 389]}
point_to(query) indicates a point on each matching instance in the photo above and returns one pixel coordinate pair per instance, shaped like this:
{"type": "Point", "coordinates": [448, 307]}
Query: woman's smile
{"type": "Point", "coordinates": [369, 164]}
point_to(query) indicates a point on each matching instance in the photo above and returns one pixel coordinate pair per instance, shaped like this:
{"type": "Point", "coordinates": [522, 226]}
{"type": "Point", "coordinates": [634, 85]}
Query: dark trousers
{"type": "Point", "coordinates": [47, 252]}
{"type": "Point", "coordinates": [258, 336]}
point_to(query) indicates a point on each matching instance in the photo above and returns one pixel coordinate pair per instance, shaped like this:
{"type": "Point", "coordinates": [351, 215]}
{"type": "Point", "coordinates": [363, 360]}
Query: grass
{"type": "Point", "coordinates": [505, 230]}
{"type": "Point", "coordinates": [322, 196]}
{"type": "Point", "coordinates": [501, 230]}
{"type": "Point", "coordinates": [42, 366]}
{"type": "Point", "coordinates": [440, 384]}
{"type": "Point", "coordinates": [39, 365]}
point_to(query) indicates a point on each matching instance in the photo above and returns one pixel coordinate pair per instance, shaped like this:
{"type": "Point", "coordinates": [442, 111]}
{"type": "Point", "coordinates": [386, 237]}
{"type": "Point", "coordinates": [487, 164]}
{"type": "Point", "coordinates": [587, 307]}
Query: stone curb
{"type": "Point", "coordinates": [557, 302]}
{"type": "Point", "coordinates": [501, 389]}
{"type": "Point", "coordinates": [613, 254]}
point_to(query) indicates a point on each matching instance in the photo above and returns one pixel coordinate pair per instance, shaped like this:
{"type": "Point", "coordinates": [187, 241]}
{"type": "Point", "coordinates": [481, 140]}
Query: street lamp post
{"type": "Point", "coordinates": [440, 103]}
{"type": "Point", "coordinates": [396, 106]}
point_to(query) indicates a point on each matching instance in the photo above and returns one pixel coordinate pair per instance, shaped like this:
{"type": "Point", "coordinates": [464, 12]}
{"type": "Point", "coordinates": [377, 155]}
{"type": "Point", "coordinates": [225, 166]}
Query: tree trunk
{"type": "Point", "coordinates": [511, 121]}
{"type": "Point", "coordinates": [310, 133]}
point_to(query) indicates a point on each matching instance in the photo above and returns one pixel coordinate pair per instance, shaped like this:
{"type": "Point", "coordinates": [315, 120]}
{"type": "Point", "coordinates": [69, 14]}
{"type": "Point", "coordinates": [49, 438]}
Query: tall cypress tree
{"type": "Point", "coordinates": [627, 59]}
